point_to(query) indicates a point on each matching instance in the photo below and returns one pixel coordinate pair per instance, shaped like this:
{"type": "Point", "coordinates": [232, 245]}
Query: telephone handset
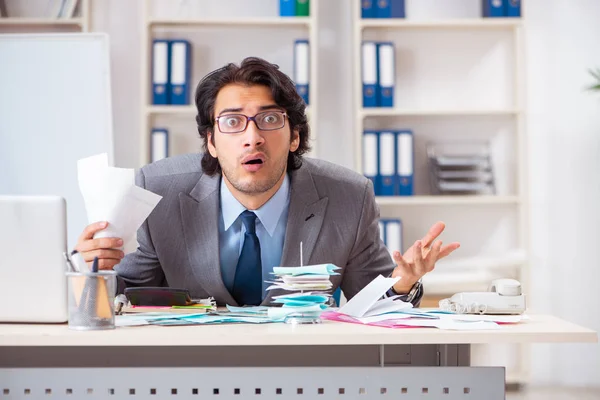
{"type": "Point", "coordinates": [504, 296]}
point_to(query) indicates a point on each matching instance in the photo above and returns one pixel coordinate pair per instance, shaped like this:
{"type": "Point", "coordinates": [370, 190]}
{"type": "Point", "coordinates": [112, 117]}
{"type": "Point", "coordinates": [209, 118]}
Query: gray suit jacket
{"type": "Point", "coordinates": [332, 211]}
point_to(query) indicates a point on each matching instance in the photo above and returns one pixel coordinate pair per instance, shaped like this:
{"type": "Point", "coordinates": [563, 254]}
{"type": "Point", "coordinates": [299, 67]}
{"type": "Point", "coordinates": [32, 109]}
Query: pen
{"type": "Point", "coordinates": [92, 300]}
{"type": "Point", "coordinates": [70, 266]}
{"type": "Point", "coordinates": [78, 262]}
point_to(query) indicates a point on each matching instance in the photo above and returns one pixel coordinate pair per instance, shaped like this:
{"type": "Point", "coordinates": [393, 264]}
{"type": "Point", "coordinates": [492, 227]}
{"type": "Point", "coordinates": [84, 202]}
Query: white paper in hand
{"type": "Point", "coordinates": [110, 194]}
{"type": "Point", "coordinates": [367, 302]}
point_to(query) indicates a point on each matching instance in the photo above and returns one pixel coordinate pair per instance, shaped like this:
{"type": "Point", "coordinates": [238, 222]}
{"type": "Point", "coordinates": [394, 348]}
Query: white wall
{"type": "Point", "coordinates": [563, 124]}
{"type": "Point", "coordinates": [564, 129]}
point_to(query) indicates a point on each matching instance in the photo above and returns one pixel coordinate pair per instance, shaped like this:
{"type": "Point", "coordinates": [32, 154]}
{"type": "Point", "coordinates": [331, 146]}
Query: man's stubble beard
{"type": "Point", "coordinates": [257, 187]}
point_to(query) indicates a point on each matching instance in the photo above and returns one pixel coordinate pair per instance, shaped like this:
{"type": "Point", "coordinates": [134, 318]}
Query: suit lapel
{"type": "Point", "coordinates": [200, 219]}
{"type": "Point", "coordinates": [305, 218]}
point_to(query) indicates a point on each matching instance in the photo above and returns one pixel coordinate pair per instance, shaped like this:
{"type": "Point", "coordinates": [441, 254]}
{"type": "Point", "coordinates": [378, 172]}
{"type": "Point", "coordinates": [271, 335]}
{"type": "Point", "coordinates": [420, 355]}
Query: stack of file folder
{"type": "Point", "coordinates": [171, 72]}
{"type": "Point", "coordinates": [388, 161]}
{"type": "Point", "coordinates": [378, 73]}
{"type": "Point", "coordinates": [460, 168]}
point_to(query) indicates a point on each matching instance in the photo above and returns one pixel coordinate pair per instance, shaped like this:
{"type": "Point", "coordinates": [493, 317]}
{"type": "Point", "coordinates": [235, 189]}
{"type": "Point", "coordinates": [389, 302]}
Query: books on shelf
{"type": "Point", "coordinates": [302, 68]}
{"type": "Point", "coordinates": [383, 9]}
{"type": "Point", "coordinates": [378, 74]}
{"type": "Point", "coordinates": [294, 8]}
{"type": "Point", "coordinates": [388, 160]}
{"type": "Point", "coordinates": [501, 8]}
{"type": "Point", "coordinates": [171, 72]}
{"type": "Point", "coordinates": [390, 231]}
{"type": "Point", "coordinates": [159, 144]}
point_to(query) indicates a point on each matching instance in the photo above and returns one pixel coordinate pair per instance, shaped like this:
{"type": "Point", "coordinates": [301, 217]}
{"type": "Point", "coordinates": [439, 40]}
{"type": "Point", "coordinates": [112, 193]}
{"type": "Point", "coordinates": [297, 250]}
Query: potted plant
{"type": "Point", "coordinates": [596, 74]}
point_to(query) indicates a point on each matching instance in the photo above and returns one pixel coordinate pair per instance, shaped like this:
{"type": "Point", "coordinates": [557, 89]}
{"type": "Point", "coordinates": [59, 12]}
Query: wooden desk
{"type": "Point", "coordinates": [272, 361]}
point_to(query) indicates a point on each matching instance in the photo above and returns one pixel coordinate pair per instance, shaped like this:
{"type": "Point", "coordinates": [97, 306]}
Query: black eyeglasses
{"type": "Point", "coordinates": [265, 121]}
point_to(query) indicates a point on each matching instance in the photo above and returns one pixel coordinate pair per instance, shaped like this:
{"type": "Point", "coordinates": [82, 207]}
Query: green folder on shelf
{"type": "Point", "coordinates": [302, 8]}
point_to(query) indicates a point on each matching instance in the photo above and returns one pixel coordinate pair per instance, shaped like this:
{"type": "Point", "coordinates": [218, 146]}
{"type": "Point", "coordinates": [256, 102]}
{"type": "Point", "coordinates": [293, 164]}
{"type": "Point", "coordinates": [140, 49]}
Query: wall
{"type": "Point", "coordinates": [564, 129]}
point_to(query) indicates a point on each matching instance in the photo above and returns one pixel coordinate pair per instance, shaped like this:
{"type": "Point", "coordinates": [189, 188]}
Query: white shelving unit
{"type": "Point", "coordinates": [155, 25]}
{"type": "Point", "coordinates": [475, 221]}
{"type": "Point", "coordinates": [17, 24]}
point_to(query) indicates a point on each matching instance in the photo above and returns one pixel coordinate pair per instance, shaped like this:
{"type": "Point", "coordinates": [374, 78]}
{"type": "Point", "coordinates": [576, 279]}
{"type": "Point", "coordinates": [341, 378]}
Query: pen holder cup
{"type": "Point", "coordinates": [91, 300]}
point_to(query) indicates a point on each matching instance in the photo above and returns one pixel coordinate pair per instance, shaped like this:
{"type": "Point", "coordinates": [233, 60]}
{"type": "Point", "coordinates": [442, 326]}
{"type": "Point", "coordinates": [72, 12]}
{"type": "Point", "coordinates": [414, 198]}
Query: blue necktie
{"type": "Point", "coordinates": [247, 285]}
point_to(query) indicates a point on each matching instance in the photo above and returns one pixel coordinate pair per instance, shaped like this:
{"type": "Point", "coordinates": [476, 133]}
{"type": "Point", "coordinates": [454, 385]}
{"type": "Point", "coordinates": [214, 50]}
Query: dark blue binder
{"type": "Point", "coordinates": [383, 9]}
{"type": "Point", "coordinates": [382, 230]}
{"type": "Point", "coordinates": [159, 144]}
{"type": "Point", "coordinates": [513, 8]}
{"type": "Point", "coordinates": [181, 60]}
{"type": "Point", "coordinates": [160, 72]}
{"type": "Point", "coordinates": [370, 161]}
{"type": "Point", "coordinates": [492, 8]}
{"type": "Point", "coordinates": [369, 74]}
{"type": "Point", "coordinates": [405, 165]}
{"type": "Point", "coordinates": [397, 9]}
{"type": "Point", "coordinates": [302, 68]}
{"type": "Point", "coordinates": [387, 163]}
{"type": "Point", "coordinates": [386, 74]}
{"type": "Point", "coordinates": [287, 8]}
{"type": "Point", "coordinates": [367, 9]}
{"type": "Point", "coordinates": [393, 235]}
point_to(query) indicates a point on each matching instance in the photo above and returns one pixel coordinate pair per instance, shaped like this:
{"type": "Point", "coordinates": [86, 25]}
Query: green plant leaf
{"type": "Point", "coordinates": [596, 74]}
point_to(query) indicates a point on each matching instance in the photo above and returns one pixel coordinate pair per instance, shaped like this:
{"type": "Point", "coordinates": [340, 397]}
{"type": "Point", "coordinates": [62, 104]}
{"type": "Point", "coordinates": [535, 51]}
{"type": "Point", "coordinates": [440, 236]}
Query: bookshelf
{"type": "Point", "coordinates": [237, 27]}
{"type": "Point", "coordinates": [20, 19]}
{"type": "Point", "coordinates": [442, 58]}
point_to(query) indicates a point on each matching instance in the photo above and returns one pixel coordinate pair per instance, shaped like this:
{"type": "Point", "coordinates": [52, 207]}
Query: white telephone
{"type": "Point", "coordinates": [503, 297]}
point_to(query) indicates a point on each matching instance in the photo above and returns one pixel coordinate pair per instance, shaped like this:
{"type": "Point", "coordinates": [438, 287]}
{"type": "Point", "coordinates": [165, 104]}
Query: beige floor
{"type": "Point", "coordinates": [555, 394]}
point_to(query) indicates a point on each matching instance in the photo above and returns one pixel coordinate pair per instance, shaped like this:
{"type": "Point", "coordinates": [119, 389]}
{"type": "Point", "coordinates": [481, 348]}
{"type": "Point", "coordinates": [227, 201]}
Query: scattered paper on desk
{"type": "Point", "coordinates": [364, 303]}
{"type": "Point", "coordinates": [110, 194]}
{"type": "Point", "coordinates": [248, 310]}
{"type": "Point", "coordinates": [279, 313]}
{"type": "Point", "coordinates": [411, 321]}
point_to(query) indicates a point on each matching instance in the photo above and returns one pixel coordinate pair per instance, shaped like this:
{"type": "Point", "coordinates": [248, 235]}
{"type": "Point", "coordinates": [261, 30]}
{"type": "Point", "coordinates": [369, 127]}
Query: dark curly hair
{"type": "Point", "coordinates": [252, 71]}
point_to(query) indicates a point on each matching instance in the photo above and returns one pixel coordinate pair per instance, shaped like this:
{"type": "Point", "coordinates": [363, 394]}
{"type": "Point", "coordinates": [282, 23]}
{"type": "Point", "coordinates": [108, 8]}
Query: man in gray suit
{"type": "Point", "coordinates": [229, 215]}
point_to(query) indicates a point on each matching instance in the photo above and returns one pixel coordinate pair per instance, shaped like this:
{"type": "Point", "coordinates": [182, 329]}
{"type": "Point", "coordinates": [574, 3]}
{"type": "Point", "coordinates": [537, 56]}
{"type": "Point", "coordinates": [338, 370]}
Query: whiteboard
{"type": "Point", "coordinates": [55, 108]}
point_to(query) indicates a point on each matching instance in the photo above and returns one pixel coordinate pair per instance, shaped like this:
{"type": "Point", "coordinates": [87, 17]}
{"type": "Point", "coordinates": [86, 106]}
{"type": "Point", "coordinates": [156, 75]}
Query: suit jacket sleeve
{"type": "Point", "coordinates": [369, 256]}
{"type": "Point", "coordinates": [140, 268]}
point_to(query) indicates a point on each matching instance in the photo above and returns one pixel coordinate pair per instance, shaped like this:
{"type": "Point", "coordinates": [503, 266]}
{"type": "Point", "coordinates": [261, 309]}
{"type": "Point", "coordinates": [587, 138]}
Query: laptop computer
{"type": "Point", "coordinates": [33, 237]}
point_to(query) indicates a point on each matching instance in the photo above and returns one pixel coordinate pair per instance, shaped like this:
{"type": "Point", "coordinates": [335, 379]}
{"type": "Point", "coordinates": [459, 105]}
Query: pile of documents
{"type": "Point", "coordinates": [301, 305]}
{"type": "Point", "coordinates": [369, 307]}
{"type": "Point", "coordinates": [296, 304]}
{"type": "Point", "coordinates": [309, 277]}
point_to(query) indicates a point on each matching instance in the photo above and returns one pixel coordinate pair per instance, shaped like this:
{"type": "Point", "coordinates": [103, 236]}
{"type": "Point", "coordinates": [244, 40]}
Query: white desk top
{"type": "Point", "coordinates": [538, 329]}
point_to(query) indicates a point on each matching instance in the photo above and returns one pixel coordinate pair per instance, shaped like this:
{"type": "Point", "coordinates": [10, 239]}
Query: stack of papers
{"type": "Point", "coordinates": [252, 315]}
{"type": "Point", "coordinates": [309, 277]}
